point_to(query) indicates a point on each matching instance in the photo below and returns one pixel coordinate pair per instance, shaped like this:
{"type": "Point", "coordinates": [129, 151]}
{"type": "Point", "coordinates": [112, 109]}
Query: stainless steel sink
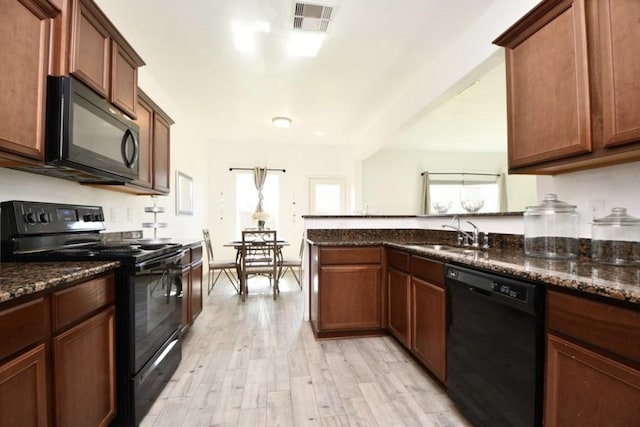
{"type": "Point", "coordinates": [452, 249]}
{"type": "Point", "coordinates": [437, 247]}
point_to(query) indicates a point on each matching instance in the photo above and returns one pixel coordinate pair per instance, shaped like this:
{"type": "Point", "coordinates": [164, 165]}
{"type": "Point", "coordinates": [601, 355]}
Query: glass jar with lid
{"type": "Point", "coordinates": [615, 238]}
{"type": "Point", "coordinates": [551, 229]}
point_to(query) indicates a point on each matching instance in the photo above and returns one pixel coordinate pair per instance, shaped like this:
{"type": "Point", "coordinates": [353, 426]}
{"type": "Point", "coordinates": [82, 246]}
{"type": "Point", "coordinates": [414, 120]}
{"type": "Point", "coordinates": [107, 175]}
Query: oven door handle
{"type": "Point", "coordinates": [170, 260]}
{"type": "Point", "coordinates": [158, 361]}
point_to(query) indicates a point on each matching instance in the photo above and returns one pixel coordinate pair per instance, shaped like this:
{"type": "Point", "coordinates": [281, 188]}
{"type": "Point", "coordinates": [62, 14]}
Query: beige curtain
{"type": "Point", "coordinates": [259, 177]}
{"type": "Point", "coordinates": [425, 207]}
{"type": "Point", "coordinates": [502, 185]}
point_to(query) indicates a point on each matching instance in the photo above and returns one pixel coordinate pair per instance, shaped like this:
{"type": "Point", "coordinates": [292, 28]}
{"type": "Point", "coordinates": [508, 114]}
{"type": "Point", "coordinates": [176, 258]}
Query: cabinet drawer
{"type": "Point", "coordinates": [76, 302]}
{"type": "Point", "coordinates": [399, 260]}
{"type": "Point", "coordinates": [23, 325]}
{"type": "Point", "coordinates": [350, 255]}
{"type": "Point", "coordinates": [428, 270]}
{"type": "Point", "coordinates": [606, 326]}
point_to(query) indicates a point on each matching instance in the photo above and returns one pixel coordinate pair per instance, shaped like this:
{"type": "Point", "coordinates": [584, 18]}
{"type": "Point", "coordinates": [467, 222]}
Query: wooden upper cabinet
{"type": "Point", "coordinates": [124, 80]}
{"type": "Point", "coordinates": [547, 87]}
{"type": "Point", "coordinates": [161, 152]}
{"type": "Point", "coordinates": [619, 41]}
{"type": "Point", "coordinates": [154, 147]}
{"type": "Point", "coordinates": [97, 54]}
{"type": "Point", "coordinates": [144, 120]}
{"type": "Point", "coordinates": [572, 86]}
{"type": "Point", "coordinates": [25, 28]}
{"type": "Point", "coordinates": [90, 58]}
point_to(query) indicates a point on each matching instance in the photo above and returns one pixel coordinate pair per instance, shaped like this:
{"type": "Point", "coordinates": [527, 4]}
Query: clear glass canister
{"type": "Point", "coordinates": [551, 229]}
{"type": "Point", "coordinates": [615, 238]}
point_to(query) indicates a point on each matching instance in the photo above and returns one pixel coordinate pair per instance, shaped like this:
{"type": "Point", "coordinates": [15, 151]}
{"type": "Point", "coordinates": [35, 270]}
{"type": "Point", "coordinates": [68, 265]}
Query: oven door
{"type": "Point", "coordinates": [157, 305]}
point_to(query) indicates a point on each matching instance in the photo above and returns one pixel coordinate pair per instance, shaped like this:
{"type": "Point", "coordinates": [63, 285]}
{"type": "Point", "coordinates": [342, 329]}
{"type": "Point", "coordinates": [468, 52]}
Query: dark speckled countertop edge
{"type": "Point", "coordinates": [582, 275]}
{"type": "Point", "coordinates": [19, 279]}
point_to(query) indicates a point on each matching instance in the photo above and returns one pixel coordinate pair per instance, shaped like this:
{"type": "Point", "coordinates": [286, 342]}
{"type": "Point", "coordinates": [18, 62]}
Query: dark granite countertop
{"type": "Point", "coordinates": [581, 274]}
{"type": "Point", "coordinates": [18, 279]}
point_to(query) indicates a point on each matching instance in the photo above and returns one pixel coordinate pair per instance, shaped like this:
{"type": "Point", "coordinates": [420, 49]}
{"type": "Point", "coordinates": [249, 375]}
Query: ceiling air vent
{"type": "Point", "coordinates": [312, 17]}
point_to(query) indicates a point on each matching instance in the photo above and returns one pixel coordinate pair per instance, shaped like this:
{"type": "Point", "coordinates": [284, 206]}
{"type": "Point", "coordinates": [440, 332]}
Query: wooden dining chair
{"type": "Point", "coordinates": [294, 265]}
{"type": "Point", "coordinates": [229, 268]}
{"type": "Point", "coordinates": [259, 256]}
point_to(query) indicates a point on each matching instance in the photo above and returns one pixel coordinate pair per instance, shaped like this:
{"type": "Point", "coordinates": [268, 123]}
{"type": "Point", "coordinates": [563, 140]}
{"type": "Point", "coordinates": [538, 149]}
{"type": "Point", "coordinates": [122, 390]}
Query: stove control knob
{"type": "Point", "coordinates": [88, 218]}
{"type": "Point", "coordinates": [44, 217]}
{"type": "Point", "coordinates": [30, 217]}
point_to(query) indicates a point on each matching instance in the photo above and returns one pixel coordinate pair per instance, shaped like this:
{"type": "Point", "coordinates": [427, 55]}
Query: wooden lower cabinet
{"type": "Point", "coordinates": [585, 388]}
{"type": "Point", "coordinates": [347, 294]}
{"type": "Point", "coordinates": [84, 372]}
{"type": "Point", "coordinates": [399, 288]}
{"type": "Point", "coordinates": [23, 390]}
{"type": "Point", "coordinates": [350, 297]}
{"type": "Point", "coordinates": [429, 331]}
{"type": "Point", "coordinates": [196, 290]}
{"type": "Point", "coordinates": [57, 357]}
{"type": "Point", "coordinates": [192, 273]}
{"type": "Point", "coordinates": [417, 308]}
{"type": "Point", "coordinates": [593, 363]}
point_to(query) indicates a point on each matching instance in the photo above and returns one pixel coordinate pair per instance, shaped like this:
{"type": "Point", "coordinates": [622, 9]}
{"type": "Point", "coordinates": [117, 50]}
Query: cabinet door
{"type": "Point", "coordinates": [161, 153]}
{"type": "Point", "coordinates": [548, 96]}
{"type": "Point", "coordinates": [84, 372]}
{"type": "Point", "coordinates": [430, 326]}
{"type": "Point", "coordinates": [186, 297]}
{"type": "Point", "coordinates": [620, 36]}
{"type": "Point", "coordinates": [25, 33]}
{"type": "Point", "coordinates": [23, 390]}
{"type": "Point", "coordinates": [350, 297]}
{"type": "Point", "coordinates": [585, 388]}
{"type": "Point", "coordinates": [90, 58]}
{"type": "Point", "coordinates": [196, 292]}
{"type": "Point", "coordinates": [124, 80]}
{"type": "Point", "coordinates": [144, 120]}
{"type": "Point", "coordinates": [399, 288]}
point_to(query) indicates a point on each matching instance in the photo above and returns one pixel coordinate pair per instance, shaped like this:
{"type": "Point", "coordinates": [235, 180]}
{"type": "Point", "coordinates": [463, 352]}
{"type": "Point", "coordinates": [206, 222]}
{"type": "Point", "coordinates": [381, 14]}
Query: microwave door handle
{"type": "Point", "coordinates": [123, 146]}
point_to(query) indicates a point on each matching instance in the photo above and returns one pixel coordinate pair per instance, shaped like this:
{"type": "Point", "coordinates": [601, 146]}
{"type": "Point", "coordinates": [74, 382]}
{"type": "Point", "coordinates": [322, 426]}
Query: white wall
{"type": "Point", "coordinates": [391, 181]}
{"type": "Point", "coordinates": [603, 189]}
{"type": "Point", "coordinates": [300, 162]}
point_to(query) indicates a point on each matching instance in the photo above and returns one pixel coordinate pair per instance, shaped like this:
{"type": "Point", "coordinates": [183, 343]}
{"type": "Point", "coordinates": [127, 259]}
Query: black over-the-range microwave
{"type": "Point", "coordinates": [86, 138]}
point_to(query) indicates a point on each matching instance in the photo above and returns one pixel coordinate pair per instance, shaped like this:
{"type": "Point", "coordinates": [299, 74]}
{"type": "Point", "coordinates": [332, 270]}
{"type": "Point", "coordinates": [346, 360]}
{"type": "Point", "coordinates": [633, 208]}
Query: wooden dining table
{"type": "Point", "coordinates": [237, 244]}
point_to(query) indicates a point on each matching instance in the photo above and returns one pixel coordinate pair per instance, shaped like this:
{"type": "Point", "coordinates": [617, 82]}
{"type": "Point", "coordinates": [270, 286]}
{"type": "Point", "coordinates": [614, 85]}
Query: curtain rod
{"type": "Point", "coordinates": [460, 173]}
{"type": "Point", "coordinates": [250, 169]}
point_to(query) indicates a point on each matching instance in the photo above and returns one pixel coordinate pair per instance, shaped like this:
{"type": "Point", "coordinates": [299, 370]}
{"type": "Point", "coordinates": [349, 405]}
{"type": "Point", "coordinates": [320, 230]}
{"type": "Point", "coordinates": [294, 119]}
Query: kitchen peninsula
{"type": "Point", "coordinates": [398, 264]}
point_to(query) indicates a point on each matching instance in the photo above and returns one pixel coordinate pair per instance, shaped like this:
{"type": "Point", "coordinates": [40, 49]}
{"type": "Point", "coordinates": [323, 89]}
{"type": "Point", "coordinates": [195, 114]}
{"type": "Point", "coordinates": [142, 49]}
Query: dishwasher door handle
{"type": "Point", "coordinates": [481, 291]}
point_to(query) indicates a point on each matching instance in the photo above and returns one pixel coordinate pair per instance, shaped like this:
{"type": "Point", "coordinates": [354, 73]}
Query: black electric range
{"type": "Point", "coordinates": [148, 290]}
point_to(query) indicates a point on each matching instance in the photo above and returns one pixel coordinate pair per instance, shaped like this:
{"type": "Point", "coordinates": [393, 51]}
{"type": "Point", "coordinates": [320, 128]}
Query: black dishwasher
{"type": "Point", "coordinates": [495, 347]}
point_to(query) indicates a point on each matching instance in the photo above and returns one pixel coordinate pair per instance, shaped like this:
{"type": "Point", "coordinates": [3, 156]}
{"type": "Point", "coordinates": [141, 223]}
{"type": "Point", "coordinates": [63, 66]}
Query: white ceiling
{"type": "Point", "coordinates": [373, 47]}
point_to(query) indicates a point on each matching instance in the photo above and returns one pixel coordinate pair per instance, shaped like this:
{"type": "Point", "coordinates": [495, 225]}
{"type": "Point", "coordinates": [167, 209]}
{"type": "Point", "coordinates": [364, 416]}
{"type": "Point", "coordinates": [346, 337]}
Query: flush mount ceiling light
{"type": "Point", "coordinates": [281, 122]}
{"type": "Point", "coordinates": [244, 34]}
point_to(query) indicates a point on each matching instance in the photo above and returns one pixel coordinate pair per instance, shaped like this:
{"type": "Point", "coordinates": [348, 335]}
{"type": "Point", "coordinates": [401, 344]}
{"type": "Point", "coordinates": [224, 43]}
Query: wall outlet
{"type": "Point", "coordinates": [129, 215]}
{"type": "Point", "coordinates": [597, 208]}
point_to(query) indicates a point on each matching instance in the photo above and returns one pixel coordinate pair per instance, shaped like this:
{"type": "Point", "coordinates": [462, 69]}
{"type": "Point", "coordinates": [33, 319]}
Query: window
{"type": "Point", "coordinates": [326, 196]}
{"type": "Point", "coordinates": [469, 193]}
{"type": "Point", "coordinates": [247, 200]}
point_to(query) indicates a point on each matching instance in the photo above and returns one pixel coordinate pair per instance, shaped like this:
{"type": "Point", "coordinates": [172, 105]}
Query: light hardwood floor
{"type": "Point", "coordinates": [258, 364]}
